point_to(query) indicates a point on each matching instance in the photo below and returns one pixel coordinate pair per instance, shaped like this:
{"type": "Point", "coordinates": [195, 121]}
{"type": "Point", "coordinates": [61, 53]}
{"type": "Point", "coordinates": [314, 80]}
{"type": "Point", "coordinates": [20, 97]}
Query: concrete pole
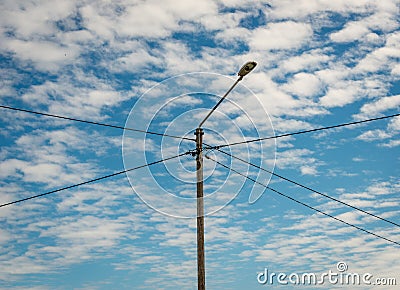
{"type": "Point", "coordinates": [201, 275]}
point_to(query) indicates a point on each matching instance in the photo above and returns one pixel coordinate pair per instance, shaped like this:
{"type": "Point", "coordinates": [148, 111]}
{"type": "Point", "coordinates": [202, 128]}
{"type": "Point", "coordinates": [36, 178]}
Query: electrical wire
{"type": "Point", "coordinates": [306, 131]}
{"type": "Point", "coordinates": [304, 204]}
{"type": "Point", "coordinates": [310, 189]}
{"type": "Point", "coordinates": [92, 180]}
{"type": "Point", "coordinates": [93, 123]}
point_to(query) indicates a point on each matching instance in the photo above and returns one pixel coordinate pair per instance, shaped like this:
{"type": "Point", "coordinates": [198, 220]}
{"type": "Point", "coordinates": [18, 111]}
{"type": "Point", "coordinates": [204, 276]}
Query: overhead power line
{"type": "Point", "coordinates": [306, 131]}
{"type": "Point", "coordinates": [304, 204]}
{"type": "Point", "coordinates": [310, 189]}
{"type": "Point", "coordinates": [93, 123]}
{"type": "Point", "coordinates": [91, 181]}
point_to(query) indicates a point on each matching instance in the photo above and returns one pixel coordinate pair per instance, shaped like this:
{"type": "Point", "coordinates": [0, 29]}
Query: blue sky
{"type": "Point", "coordinates": [160, 65]}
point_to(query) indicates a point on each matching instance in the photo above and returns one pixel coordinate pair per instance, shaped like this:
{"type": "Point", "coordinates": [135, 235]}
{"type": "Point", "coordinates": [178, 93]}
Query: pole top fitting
{"type": "Point", "coordinates": [199, 131]}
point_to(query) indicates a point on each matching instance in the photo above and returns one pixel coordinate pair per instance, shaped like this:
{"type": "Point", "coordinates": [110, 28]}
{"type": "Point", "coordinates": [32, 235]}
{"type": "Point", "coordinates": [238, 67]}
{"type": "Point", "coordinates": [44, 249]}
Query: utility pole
{"type": "Point", "coordinates": [201, 269]}
{"type": "Point", "coordinates": [201, 275]}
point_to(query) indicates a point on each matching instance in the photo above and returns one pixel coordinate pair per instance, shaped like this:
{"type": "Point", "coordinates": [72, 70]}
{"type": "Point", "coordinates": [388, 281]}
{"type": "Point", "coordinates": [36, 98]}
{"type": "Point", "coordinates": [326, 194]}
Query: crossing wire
{"type": "Point", "coordinates": [91, 181]}
{"type": "Point", "coordinates": [93, 123]}
{"type": "Point", "coordinates": [306, 131]}
{"type": "Point", "coordinates": [310, 189]}
{"type": "Point", "coordinates": [304, 204]}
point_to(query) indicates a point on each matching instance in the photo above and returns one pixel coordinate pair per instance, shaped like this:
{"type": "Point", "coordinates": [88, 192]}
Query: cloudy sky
{"type": "Point", "coordinates": [159, 66]}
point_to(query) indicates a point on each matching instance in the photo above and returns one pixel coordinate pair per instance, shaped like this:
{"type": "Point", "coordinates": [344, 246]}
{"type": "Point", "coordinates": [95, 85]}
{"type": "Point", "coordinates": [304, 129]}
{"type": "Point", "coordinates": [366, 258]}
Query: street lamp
{"type": "Point", "coordinates": [244, 70]}
{"type": "Point", "coordinates": [201, 276]}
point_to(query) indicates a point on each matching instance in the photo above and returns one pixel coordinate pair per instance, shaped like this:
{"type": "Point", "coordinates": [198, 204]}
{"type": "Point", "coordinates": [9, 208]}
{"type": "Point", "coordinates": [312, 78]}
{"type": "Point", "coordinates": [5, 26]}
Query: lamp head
{"type": "Point", "coordinates": [247, 68]}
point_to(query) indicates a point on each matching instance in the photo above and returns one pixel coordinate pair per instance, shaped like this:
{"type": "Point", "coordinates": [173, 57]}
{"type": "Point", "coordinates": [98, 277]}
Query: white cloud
{"type": "Point", "coordinates": [379, 106]}
{"type": "Point", "coordinates": [243, 3]}
{"type": "Point", "coordinates": [42, 172]}
{"type": "Point", "coordinates": [308, 170]}
{"type": "Point", "coordinates": [233, 35]}
{"type": "Point", "coordinates": [106, 222]}
{"type": "Point", "coordinates": [293, 158]}
{"type": "Point", "coordinates": [334, 74]}
{"type": "Point", "coordinates": [10, 167]}
{"type": "Point", "coordinates": [358, 159]}
{"type": "Point", "coordinates": [221, 22]}
{"type": "Point", "coordinates": [381, 58]}
{"type": "Point", "coordinates": [307, 61]}
{"type": "Point", "coordinates": [392, 144]}
{"type": "Point", "coordinates": [394, 124]}
{"type": "Point", "coordinates": [373, 38]}
{"type": "Point", "coordinates": [353, 31]}
{"type": "Point", "coordinates": [146, 19]}
{"type": "Point", "coordinates": [96, 23]}
{"type": "Point", "coordinates": [48, 157]}
{"type": "Point", "coordinates": [290, 125]}
{"type": "Point", "coordinates": [149, 19]}
{"type": "Point", "coordinates": [89, 231]}
{"type": "Point", "coordinates": [341, 95]}
{"type": "Point", "coordinates": [396, 70]}
{"type": "Point", "coordinates": [373, 135]}
{"type": "Point", "coordinates": [32, 36]}
{"type": "Point", "coordinates": [300, 9]}
{"type": "Point", "coordinates": [383, 18]}
{"type": "Point", "coordinates": [136, 60]}
{"type": "Point", "coordinates": [190, 10]}
{"type": "Point", "coordinates": [47, 56]}
{"type": "Point", "coordinates": [75, 95]}
{"type": "Point", "coordinates": [382, 188]}
{"type": "Point", "coordinates": [281, 35]}
{"type": "Point", "coordinates": [303, 85]}
{"type": "Point", "coordinates": [177, 58]}
{"type": "Point", "coordinates": [276, 101]}
{"type": "Point", "coordinates": [34, 18]}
